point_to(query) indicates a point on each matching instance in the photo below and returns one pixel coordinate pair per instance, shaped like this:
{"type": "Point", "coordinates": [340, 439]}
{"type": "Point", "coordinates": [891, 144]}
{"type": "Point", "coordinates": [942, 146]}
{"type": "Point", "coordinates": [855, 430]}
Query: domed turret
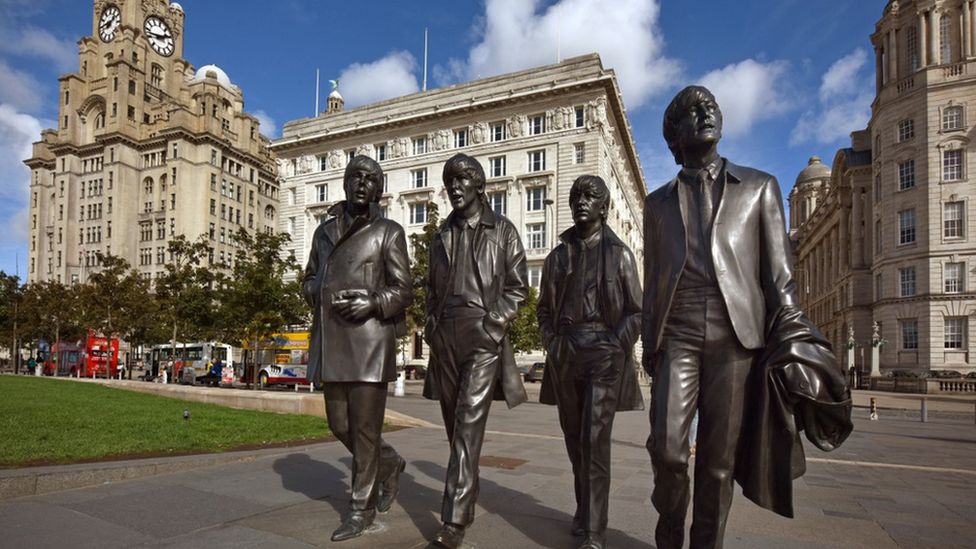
{"type": "Point", "coordinates": [816, 170]}
{"type": "Point", "coordinates": [335, 101]}
{"type": "Point", "coordinates": [809, 190]}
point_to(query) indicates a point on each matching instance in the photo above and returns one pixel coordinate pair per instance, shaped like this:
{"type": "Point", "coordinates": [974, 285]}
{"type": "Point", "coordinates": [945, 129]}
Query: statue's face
{"type": "Point", "coordinates": [587, 206]}
{"type": "Point", "coordinates": [361, 188]}
{"type": "Point", "coordinates": [461, 191]}
{"type": "Point", "coordinates": [700, 124]}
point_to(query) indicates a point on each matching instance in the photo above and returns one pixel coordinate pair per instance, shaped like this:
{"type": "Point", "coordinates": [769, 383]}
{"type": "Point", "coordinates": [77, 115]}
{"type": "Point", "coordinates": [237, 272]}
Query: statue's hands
{"type": "Point", "coordinates": [356, 309]}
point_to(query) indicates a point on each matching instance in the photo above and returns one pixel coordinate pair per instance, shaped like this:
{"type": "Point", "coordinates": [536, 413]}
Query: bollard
{"type": "Point", "coordinates": [399, 388]}
{"type": "Point", "coordinates": [925, 410]}
{"type": "Point", "coordinates": [874, 409]}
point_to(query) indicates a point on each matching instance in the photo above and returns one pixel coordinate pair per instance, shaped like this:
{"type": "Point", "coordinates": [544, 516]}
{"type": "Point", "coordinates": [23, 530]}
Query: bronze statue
{"type": "Point", "coordinates": [475, 284]}
{"type": "Point", "coordinates": [717, 271]}
{"type": "Point", "coordinates": [589, 313]}
{"type": "Point", "coordinates": [358, 284]}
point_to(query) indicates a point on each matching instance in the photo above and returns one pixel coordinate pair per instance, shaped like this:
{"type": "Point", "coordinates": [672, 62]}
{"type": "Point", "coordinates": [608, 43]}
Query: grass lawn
{"type": "Point", "coordinates": [48, 421]}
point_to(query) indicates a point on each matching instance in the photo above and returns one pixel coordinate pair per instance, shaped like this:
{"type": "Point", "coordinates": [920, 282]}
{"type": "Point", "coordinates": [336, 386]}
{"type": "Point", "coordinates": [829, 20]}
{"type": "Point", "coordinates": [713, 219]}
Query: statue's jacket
{"type": "Point", "coordinates": [370, 255]}
{"type": "Point", "coordinates": [620, 306]}
{"type": "Point", "coordinates": [500, 266]}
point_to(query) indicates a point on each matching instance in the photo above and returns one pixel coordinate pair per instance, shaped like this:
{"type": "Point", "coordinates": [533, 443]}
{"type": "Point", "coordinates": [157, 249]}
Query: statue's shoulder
{"type": "Point", "coordinates": [746, 174]}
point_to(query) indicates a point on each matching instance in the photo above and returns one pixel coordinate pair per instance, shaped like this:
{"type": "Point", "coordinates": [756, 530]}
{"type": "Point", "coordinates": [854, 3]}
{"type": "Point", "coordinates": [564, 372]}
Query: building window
{"type": "Point", "coordinates": [537, 124]}
{"type": "Point", "coordinates": [460, 138]}
{"type": "Point", "coordinates": [350, 154]}
{"type": "Point", "coordinates": [498, 131]}
{"type": "Point", "coordinates": [321, 193]}
{"type": "Point", "coordinates": [418, 213]}
{"type": "Point", "coordinates": [535, 199]}
{"type": "Point", "coordinates": [878, 288]}
{"type": "Point", "coordinates": [952, 278]}
{"type": "Point", "coordinates": [292, 197]}
{"type": "Point", "coordinates": [906, 281]}
{"type": "Point", "coordinates": [906, 130]}
{"type": "Point", "coordinates": [323, 163]}
{"type": "Point", "coordinates": [535, 277]}
{"type": "Point", "coordinates": [877, 188]}
{"type": "Point", "coordinates": [580, 117]}
{"type": "Point", "coordinates": [420, 145]}
{"type": "Point", "coordinates": [909, 334]}
{"type": "Point", "coordinates": [952, 118]}
{"type": "Point", "coordinates": [418, 178]}
{"type": "Point", "coordinates": [945, 39]}
{"type": "Point", "coordinates": [911, 44]}
{"type": "Point", "coordinates": [537, 161]}
{"type": "Point", "coordinates": [380, 152]}
{"type": "Point", "coordinates": [291, 226]}
{"type": "Point", "coordinates": [906, 226]}
{"type": "Point", "coordinates": [955, 332]}
{"type": "Point", "coordinates": [952, 165]}
{"type": "Point", "coordinates": [579, 153]}
{"type": "Point", "coordinates": [878, 241]}
{"type": "Point", "coordinates": [535, 236]}
{"type": "Point", "coordinates": [953, 220]}
{"type": "Point", "coordinates": [156, 78]}
{"type": "Point", "coordinates": [496, 166]}
{"type": "Point", "coordinates": [498, 201]}
{"type": "Point", "coordinates": [906, 175]}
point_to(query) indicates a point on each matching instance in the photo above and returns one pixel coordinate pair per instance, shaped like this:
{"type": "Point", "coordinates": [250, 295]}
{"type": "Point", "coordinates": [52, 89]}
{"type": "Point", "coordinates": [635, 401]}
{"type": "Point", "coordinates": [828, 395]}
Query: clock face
{"type": "Point", "coordinates": [159, 36]}
{"type": "Point", "coordinates": [109, 23]}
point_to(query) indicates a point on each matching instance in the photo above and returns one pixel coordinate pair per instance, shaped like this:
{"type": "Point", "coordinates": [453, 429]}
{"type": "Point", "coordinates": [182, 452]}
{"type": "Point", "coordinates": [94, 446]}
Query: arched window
{"type": "Point", "coordinates": [99, 121]}
{"type": "Point", "coordinates": [269, 213]}
{"type": "Point", "coordinates": [147, 186]}
{"type": "Point", "coordinates": [945, 41]}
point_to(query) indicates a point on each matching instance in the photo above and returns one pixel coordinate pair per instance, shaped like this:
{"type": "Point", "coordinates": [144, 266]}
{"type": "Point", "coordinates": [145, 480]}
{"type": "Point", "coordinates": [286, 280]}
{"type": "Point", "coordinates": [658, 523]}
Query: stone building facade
{"type": "Point", "coordinates": [901, 207]}
{"type": "Point", "coordinates": [534, 131]}
{"type": "Point", "coordinates": [146, 148]}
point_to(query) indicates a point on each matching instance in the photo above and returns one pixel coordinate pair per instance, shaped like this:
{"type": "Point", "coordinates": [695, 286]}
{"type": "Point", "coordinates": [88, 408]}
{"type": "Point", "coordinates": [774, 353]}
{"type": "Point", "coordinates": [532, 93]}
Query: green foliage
{"type": "Point", "coordinates": [11, 308]}
{"type": "Point", "coordinates": [53, 311]}
{"type": "Point", "coordinates": [185, 292]}
{"type": "Point", "coordinates": [525, 334]}
{"type": "Point", "coordinates": [59, 421]}
{"type": "Point", "coordinates": [420, 254]}
{"type": "Point", "coordinates": [256, 300]}
{"type": "Point", "coordinates": [115, 299]}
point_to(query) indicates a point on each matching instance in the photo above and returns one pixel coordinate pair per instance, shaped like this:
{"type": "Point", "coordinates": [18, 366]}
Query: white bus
{"type": "Point", "coordinates": [193, 361]}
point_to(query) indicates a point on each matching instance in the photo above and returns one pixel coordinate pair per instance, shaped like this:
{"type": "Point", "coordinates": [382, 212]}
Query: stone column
{"type": "Point", "coordinates": [875, 361]}
{"type": "Point", "coordinates": [964, 30]}
{"type": "Point", "coordinates": [857, 261]}
{"type": "Point", "coordinates": [878, 74]}
{"type": "Point", "coordinates": [844, 240]}
{"type": "Point", "coordinates": [934, 38]}
{"type": "Point", "coordinates": [893, 55]}
{"type": "Point", "coordinates": [971, 8]}
{"type": "Point", "coordinates": [923, 46]}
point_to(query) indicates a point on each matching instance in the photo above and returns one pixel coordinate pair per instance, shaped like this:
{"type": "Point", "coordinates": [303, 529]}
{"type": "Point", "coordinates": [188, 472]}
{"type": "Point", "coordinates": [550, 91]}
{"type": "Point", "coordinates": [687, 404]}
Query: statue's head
{"type": "Point", "coordinates": [464, 179]}
{"type": "Point", "coordinates": [693, 119]}
{"type": "Point", "coordinates": [589, 200]}
{"type": "Point", "coordinates": [363, 181]}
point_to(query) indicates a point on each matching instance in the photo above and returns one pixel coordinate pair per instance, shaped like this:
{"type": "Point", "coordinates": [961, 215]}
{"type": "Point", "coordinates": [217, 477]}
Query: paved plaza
{"type": "Point", "coordinates": [896, 482]}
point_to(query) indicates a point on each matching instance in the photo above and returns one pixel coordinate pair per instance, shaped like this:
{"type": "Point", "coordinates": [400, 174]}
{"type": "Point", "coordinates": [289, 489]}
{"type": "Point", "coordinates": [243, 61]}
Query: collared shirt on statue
{"type": "Point", "coordinates": [695, 186]}
{"type": "Point", "coordinates": [581, 303]}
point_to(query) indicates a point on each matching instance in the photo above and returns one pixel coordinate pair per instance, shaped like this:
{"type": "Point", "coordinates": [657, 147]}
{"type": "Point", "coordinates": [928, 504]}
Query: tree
{"type": "Point", "coordinates": [53, 311]}
{"type": "Point", "coordinates": [11, 310]}
{"type": "Point", "coordinates": [525, 334]}
{"type": "Point", "coordinates": [185, 291]}
{"type": "Point", "coordinates": [257, 301]}
{"type": "Point", "coordinates": [420, 245]}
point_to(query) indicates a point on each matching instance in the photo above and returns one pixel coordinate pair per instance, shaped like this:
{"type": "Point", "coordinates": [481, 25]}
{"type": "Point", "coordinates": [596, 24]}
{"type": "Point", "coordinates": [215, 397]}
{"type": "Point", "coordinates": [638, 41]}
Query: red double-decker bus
{"type": "Point", "coordinates": [101, 356]}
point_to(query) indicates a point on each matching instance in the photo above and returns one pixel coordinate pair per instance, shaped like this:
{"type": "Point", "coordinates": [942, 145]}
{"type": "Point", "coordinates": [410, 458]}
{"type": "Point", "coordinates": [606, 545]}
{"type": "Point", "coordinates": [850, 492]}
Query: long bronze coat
{"type": "Point", "coordinates": [370, 256]}
{"type": "Point", "coordinates": [500, 266]}
{"type": "Point", "coordinates": [620, 302]}
{"type": "Point", "coordinates": [750, 250]}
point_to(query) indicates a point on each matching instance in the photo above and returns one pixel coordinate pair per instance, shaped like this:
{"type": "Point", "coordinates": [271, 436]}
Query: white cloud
{"type": "Point", "coordinates": [17, 132]}
{"type": "Point", "coordinates": [516, 35]}
{"type": "Point", "coordinates": [268, 126]}
{"type": "Point", "coordinates": [846, 92]}
{"type": "Point", "coordinates": [35, 42]}
{"type": "Point", "coordinates": [749, 92]}
{"type": "Point", "coordinates": [390, 76]}
{"type": "Point", "coordinates": [19, 89]}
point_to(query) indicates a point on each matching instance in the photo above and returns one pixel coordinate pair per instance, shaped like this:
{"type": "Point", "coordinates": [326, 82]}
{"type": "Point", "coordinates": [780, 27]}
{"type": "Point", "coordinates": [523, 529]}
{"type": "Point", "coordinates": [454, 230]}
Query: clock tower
{"type": "Point", "coordinates": [146, 148]}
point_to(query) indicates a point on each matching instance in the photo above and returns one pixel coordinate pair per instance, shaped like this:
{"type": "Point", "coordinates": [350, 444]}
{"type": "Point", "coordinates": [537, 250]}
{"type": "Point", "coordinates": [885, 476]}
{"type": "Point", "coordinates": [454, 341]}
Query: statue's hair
{"type": "Point", "coordinates": [594, 183]}
{"type": "Point", "coordinates": [691, 95]}
{"type": "Point", "coordinates": [371, 167]}
{"type": "Point", "coordinates": [466, 165]}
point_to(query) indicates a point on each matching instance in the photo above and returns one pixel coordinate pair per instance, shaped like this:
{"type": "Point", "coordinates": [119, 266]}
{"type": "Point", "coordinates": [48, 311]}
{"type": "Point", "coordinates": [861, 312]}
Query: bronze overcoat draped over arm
{"type": "Point", "coordinates": [370, 255]}
{"type": "Point", "coordinates": [620, 303]}
{"type": "Point", "coordinates": [500, 266]}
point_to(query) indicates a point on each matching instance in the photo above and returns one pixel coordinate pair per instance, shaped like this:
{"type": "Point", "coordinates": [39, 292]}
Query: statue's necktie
{"type": "Point", "coordinates": [705, 202]}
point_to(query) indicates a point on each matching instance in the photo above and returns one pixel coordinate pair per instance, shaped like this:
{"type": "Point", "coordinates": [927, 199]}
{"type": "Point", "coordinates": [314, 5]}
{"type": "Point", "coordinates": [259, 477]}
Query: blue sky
{"type": "Point", "coordinates": [793, 77]}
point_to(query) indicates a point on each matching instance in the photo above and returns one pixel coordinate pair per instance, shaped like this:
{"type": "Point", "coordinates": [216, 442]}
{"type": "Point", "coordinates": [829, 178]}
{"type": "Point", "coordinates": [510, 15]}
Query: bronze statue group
{"type": "Point", "coordinates": [722, 336]}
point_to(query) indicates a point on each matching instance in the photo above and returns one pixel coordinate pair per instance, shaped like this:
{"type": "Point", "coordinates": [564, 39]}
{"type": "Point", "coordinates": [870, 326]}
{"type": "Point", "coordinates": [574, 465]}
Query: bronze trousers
{"type": "Point", "coordinates": [467, 362]}
{"type": "Point", "coordinates": [700, 366]}
{"type": "Point", "coordinates": [355, 413]}
{"type": "Point", "coordinates": [587, 368]}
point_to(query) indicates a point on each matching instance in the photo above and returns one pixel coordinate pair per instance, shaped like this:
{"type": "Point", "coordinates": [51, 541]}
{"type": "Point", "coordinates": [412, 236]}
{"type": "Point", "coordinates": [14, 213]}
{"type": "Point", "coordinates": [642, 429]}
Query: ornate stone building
{"type": "Point", "coordinates": [534, 132]}
{"type": "Point", "coordinates": [146, 148]}
{"type": "Point", "coordinates": [901, 208]}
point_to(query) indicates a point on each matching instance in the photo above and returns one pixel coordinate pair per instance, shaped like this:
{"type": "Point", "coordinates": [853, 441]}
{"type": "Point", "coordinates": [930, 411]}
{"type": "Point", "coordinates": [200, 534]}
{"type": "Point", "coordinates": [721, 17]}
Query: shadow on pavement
{"type": "Point", "coordinates": [316, 479]}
